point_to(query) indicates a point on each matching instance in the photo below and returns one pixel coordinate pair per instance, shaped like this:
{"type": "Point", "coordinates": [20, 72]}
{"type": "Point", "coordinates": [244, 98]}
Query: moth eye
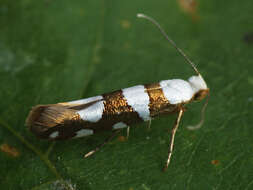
{"type": "Point", "coordinates": [200, 95]}
{"type": "Point", "coordinates": [197, 96]}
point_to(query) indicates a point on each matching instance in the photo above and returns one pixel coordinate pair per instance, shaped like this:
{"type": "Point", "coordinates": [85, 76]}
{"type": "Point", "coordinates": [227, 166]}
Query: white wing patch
{"type": "Point", "coordinates": [54, 134]}
{"type": "Point", "coordinates": [83, 132]}
{"type": "Point", "coordinates": [119, 125]}
{"type": "Point", "coordinates": [92, 113]}
{"type": "Point", "coordinates": [138, 99]}
{"type": "Point", "coordinates": [177, 90]}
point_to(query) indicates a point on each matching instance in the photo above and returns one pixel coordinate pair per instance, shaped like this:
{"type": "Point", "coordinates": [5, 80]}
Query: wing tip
{"type": "Point", "coordinates": [47, 116]}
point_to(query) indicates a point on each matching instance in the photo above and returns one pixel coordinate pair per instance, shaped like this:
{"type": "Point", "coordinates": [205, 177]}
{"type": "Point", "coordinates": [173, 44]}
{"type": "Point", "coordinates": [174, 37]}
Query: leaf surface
{"type": "Point", "coordinates": [56, 51]}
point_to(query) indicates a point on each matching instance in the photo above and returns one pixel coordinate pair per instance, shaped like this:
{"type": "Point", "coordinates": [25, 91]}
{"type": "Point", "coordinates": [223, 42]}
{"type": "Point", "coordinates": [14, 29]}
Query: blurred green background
{"type": "Point", "coordinates": [55, 51]}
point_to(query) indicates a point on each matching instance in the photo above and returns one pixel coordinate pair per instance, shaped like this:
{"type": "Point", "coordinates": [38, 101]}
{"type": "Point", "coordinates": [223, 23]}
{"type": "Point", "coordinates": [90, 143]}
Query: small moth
{"type": "Point", "coordinates": [119, 109]}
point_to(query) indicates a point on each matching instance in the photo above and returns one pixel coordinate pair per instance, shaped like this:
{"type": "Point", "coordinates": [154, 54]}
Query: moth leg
{"type": "Point", "coordinates": [149, 124]}
{"type": "Point", "coordinates": [173, 133]}
{"type": "Point", "coordinates": [128, 131]}
{"type": "Point", "coordinates": [100, 146]}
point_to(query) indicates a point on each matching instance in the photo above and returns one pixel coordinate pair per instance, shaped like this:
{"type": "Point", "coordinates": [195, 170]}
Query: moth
{"type": "Point", "coordinates": [120, 109]}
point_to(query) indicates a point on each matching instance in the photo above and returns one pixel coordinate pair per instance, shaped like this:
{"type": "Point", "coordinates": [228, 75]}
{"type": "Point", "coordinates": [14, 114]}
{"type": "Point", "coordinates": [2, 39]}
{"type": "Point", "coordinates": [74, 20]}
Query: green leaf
{"type": "Point", "coordinates": [56, 51]}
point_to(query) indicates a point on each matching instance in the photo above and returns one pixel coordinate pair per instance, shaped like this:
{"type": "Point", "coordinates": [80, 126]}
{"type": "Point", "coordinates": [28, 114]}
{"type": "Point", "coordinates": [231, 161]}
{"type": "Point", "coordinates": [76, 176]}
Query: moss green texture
{"type": "Point", "coordinates": [55, 51]}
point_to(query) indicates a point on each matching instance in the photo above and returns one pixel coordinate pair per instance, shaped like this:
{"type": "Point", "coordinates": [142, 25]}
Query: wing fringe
{"type": "Point", "coordinates": [50, 115]}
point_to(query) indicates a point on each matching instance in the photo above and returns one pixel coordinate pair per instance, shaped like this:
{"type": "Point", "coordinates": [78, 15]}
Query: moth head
{"type": "Point", "coordinates": [200, 92]}
{"type": "Point", "coordinates": [199, 87]}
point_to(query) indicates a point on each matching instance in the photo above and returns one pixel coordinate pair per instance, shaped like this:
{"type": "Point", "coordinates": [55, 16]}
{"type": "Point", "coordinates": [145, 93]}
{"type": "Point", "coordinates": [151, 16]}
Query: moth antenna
{"type": "Point", "coordinates": [199, 125]}
{"type": "Point", "coordinates": [140, 15]}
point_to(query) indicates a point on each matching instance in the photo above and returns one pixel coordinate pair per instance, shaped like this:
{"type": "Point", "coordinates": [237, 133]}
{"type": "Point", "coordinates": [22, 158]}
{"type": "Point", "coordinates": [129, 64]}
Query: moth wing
{"type": "Point", "coordinates": [51, 115]}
